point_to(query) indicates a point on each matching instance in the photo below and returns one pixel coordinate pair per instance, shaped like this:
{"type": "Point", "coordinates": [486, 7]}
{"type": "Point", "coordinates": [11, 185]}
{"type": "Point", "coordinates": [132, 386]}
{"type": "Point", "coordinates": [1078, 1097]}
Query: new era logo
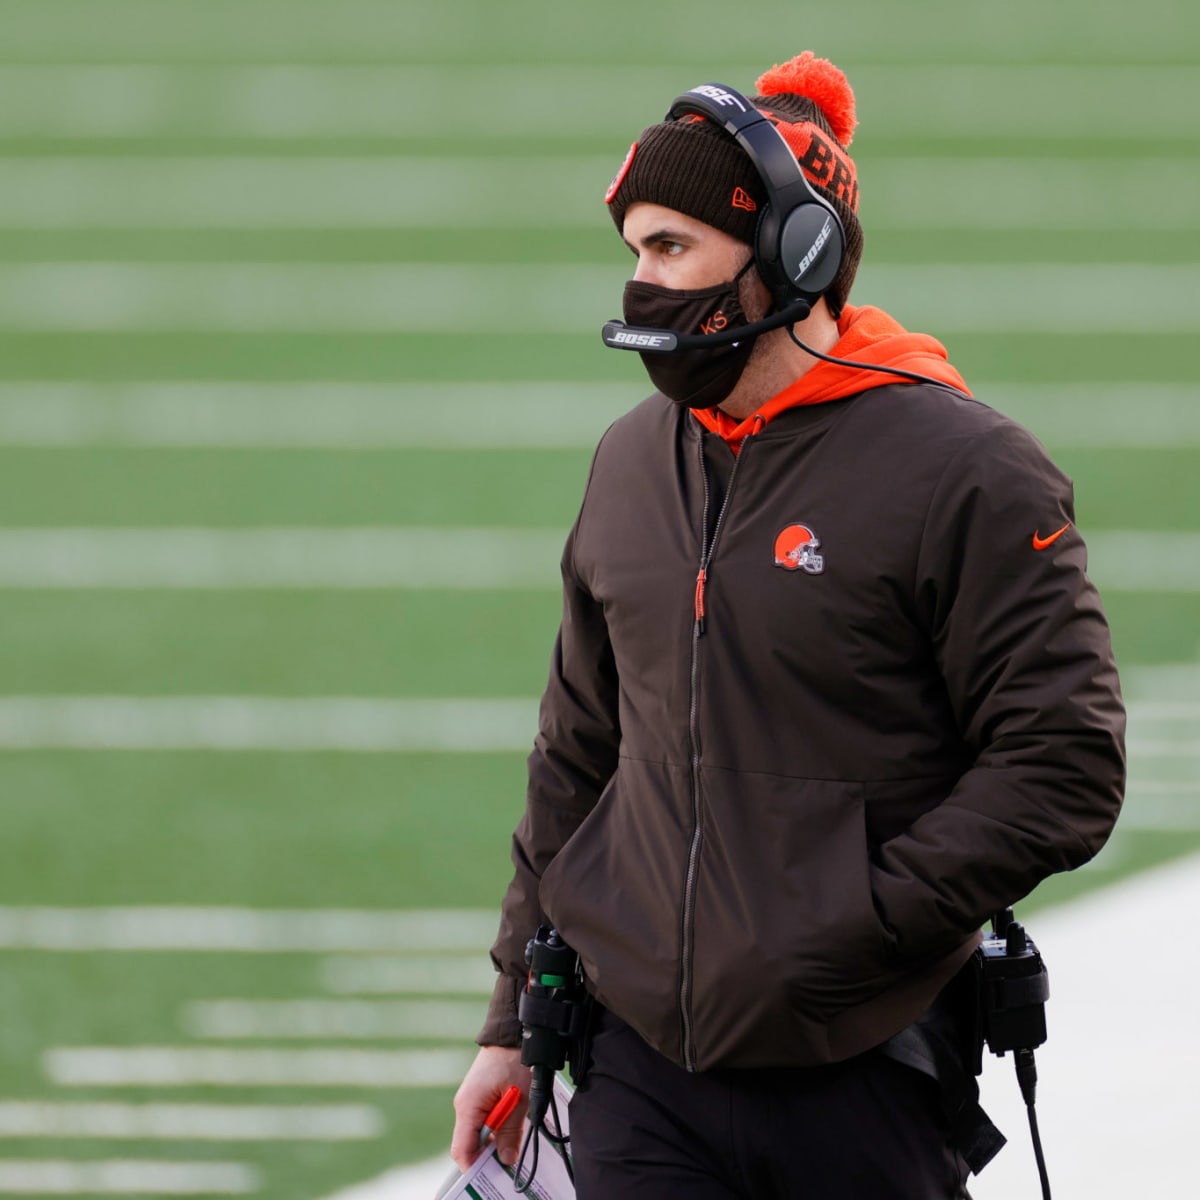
{"type": "Point", "coordinates": [742, 199]}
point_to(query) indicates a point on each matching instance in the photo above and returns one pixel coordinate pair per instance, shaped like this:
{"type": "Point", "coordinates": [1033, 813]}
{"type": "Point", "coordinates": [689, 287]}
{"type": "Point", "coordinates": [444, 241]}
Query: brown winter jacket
{"type": "Point", "coordinates": [773, 834]}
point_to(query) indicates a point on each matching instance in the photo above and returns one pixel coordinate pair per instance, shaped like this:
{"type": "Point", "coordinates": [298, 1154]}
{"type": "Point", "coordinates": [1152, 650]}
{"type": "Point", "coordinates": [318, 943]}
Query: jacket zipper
{"type": "Point", "coordinates": [707, 550]}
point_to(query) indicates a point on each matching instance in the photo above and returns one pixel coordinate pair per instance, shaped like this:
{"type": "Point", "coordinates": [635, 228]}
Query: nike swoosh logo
{"type": "Point", "coordinates": [1040, 543]}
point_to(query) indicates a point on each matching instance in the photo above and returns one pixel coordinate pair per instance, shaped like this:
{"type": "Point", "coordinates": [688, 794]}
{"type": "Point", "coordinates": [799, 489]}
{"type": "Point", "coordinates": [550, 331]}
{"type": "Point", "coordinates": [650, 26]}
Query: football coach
{"type": "Point", "coordinates": [831, 688]}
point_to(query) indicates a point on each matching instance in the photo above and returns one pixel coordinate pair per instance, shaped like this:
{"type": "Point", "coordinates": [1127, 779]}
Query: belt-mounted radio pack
{"type": "Point", "coordinates": [1013, 987]}
{"type": "Point", "coordinates": [553, 1010]}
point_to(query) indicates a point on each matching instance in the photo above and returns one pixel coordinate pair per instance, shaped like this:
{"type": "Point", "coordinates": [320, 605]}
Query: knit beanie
{"type": "Point", "coordinates": [696, 168]}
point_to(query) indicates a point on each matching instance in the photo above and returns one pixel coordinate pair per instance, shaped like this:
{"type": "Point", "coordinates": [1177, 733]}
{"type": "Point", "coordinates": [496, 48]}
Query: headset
{"type": "Point", "coordinates": [799, 243]}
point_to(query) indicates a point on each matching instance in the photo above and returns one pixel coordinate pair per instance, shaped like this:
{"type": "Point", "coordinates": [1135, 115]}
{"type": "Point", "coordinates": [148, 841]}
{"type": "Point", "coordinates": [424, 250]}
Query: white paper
{"type": "Point", "coordinates": [489, 1179]}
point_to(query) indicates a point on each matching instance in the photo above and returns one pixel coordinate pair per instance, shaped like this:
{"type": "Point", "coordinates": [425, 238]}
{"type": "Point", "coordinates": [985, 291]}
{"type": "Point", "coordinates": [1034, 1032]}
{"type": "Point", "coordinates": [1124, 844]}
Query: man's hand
{"type": "Point", "coordinates": [494, 1070]}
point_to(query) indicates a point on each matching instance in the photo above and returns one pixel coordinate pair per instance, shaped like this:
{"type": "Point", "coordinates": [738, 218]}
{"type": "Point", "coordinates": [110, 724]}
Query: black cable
{"type": "Point", "coordinates": [531, 1137]}
{"type": "Point", "coordinates": [1027, 1081]}
{"type": "Point", "coordinates": [558, 1140]}
{"type": "Point", "coordinates": [915, 376]}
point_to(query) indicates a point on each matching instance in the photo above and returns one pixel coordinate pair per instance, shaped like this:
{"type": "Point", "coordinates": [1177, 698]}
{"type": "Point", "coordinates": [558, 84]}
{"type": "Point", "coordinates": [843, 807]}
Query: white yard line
{"type": "Point", "coordinates": [335, 1020]}
{"type": "Point", "coordinates": [246, 930]}
{"type": "Point", "coordinates": [1131, 415]}
{"type": "Point", "coordinates": [186, 1066]}
{"type": "Point", "coordinates": [541, 299]}
{"type": "Point", "coordinates": [492, 192]}
{"type": "Point", "coordinates": [350, 724]}
{"type": "Point", "coordinates": [1155, 807]}
{"type": "Point", "coordinates": [1144, 560]}
{"type": "Point", "coordinates": [443, 974]}
{"type": "Point", "coordinates": [190, 1122]}
{"type": "Point", "coordinates": [1156, 711]}
{"type": "Point", "coordinates": [332, 415]}
{"type": "Point", "coordinates": [496, 416]}
{"type": "Point", "coordinates": [1176, 683]}
{"type": "Point", "coordinates": [1039, 102]}
{"type": "Point", "coordinates": [314, 297]}
{"type": "Point", "coordinates": [125, 1177]}
{"type": "Point", "coordinates": [421, 558]}
{"type": "Point", "coordinates": [355, 724]}
{"type": "Point", "coordinates": [301, 724]}
{"type": "Point", "coordinates": [295, 557]}
{"type": "Point", "coordinates": [1164, 748]}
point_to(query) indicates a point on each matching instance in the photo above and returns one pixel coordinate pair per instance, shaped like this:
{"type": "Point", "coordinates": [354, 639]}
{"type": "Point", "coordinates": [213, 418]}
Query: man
{"type": "Point", "coordinates": [831, 688]}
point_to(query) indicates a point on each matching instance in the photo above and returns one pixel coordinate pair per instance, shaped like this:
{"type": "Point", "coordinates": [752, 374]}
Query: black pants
{"type": "Point", "coordinates": [867, 1129]}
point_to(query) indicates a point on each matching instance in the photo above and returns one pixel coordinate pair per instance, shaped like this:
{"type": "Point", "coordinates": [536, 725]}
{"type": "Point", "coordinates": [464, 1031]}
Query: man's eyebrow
{"type": "Point", "coordinates": [661, 235]}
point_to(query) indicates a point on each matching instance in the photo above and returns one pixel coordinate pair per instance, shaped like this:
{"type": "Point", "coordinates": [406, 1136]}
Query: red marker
{"type": "Point", "coordinates": [501, 1111]}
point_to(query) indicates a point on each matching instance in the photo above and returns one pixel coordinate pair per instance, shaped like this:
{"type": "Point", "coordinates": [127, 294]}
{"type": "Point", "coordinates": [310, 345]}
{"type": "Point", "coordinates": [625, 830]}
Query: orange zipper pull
{"type": "Point", "coordinates": [701, 578]}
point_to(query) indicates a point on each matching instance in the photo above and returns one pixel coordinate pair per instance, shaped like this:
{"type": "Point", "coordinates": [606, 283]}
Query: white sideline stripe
{"type": "Point", "coordinates": [132, 192]}
{"type": "Point", "coordinates": [1039, 102]}
{"type": "Point", "coordinates": [190, 1122]}
{"type": "Point", "coordinates": [407, 557]}
{"type": "Point", "coordinates": [332, 1020]}
{"type": "Point", "coordinates": [1094, 1108]}
{"type": "Point", "coordinates": [185, 1066]}
{"type": "Point", "coordinates": [443, 974]}
{"type": "Point", "coordinates": [246, 930]}
{"type": "Point", "coordinates": [115, 1177]}
{"type": "Point", "coordinates": [280, 724]}
{"type": "Point", "coordinates": [416, 1181]}
{"type": "Point", "coordinates": [495, 416]}
{"type": "Point", "coordinates": [541, 299]}
{"type": "Point", "coordinates": [295, 557]}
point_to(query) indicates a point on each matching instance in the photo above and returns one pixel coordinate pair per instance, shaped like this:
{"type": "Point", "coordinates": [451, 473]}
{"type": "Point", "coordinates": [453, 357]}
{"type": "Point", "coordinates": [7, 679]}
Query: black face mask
{"type": "Point", "coordinates": [692, 378]}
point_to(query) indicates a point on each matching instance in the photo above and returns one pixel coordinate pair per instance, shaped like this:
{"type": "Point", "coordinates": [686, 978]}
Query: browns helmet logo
{"type": "Point", "coordinates": [796, 550]}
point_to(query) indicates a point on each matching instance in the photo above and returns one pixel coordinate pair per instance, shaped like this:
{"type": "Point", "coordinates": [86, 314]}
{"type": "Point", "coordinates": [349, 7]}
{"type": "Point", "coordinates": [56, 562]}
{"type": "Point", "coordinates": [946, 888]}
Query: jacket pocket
{"type": "Point", "coordinates": [786, 933]}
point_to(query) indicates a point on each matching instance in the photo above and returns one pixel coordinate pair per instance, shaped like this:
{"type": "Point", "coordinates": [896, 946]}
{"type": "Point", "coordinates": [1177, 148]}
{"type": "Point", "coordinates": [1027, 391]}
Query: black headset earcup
{"type": "Point", "coordinates": [766, 256]}
{"type": "Point", "coordinates": [811, 247]}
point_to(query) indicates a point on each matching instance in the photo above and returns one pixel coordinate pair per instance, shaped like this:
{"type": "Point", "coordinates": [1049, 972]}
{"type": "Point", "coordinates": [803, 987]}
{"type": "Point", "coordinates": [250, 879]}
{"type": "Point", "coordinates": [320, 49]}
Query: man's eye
{"type": "Point", "coordinates": [672, 248]}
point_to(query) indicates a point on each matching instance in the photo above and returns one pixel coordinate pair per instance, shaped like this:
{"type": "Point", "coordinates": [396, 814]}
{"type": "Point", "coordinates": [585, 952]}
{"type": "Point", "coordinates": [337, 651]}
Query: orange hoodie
{"type": "Point", "coordinates": [867, 335]}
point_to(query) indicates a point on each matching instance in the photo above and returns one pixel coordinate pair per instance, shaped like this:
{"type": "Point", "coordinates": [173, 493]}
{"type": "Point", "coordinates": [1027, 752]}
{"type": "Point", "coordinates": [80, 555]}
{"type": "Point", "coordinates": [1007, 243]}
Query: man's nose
{"type": "Point", "coordinates": [646, 270]}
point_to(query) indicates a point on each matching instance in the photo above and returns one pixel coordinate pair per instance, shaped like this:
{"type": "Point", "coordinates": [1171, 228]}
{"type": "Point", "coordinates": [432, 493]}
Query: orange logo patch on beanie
{"type": "Point", "coordinates": [742, 199]}
{"type": "Point", "coordinates": [620, 177]}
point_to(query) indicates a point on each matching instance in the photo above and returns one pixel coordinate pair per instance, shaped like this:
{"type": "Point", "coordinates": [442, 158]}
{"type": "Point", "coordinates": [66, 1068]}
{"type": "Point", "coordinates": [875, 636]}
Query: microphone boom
{"type": "Point", "coordinates": [619, 336]}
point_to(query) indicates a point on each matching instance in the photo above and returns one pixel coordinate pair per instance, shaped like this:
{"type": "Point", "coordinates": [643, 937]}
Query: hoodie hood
{"type": "Point", "coordinates": [867, 335]}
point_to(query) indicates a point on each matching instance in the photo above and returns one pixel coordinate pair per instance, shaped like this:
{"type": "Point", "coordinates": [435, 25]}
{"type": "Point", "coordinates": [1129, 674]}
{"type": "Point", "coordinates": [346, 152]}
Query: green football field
{"type": "Point", "coordinates": [300, 372]}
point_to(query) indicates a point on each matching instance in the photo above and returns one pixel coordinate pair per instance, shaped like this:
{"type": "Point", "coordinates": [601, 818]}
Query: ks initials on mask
{"type": "Point", "coordinates": [692, 378]}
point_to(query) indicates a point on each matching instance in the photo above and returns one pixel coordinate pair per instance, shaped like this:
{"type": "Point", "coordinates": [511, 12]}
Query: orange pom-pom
{"type": "Point", "coordinates": [822, 83]}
